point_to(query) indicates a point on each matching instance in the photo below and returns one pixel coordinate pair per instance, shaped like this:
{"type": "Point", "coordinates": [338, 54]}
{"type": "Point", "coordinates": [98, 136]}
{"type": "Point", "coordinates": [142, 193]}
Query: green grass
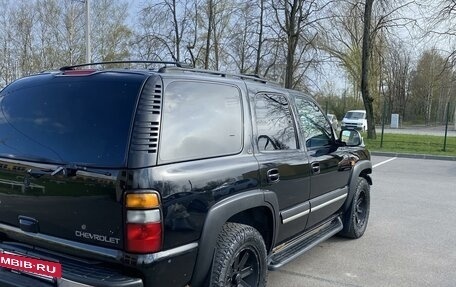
{"type": "Point", "coordinates": [412, 144]}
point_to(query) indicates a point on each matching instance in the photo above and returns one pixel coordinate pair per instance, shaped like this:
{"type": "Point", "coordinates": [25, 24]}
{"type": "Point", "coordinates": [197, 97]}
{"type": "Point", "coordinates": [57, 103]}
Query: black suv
{"type": "Point", "coordinates": [168, 176]}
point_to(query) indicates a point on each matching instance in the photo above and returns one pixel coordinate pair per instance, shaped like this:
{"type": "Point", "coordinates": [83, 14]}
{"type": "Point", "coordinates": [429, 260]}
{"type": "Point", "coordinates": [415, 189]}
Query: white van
{"type": "Point", "coordinates": [355, 119]}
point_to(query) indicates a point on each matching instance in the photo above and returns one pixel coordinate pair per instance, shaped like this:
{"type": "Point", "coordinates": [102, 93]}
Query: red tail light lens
{"type": "Point", "coordinates": [144, 238]}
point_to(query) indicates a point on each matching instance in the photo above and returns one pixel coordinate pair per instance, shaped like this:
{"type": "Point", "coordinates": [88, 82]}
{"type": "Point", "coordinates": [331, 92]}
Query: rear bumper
{"type": "Point", "coordinates": [87, 265]}
{"type": "Point", "coordinates": [166, 268]}
{"type": "Point", "coordinates": [75, 272]}
{"type": "Point", "coordinates": [10, 278]}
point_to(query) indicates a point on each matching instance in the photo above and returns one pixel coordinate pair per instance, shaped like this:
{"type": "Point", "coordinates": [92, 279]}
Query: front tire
{"type": "Point", "coordinates": [357, 215]}
{"type": "Point", "coordinates": [240, 258]}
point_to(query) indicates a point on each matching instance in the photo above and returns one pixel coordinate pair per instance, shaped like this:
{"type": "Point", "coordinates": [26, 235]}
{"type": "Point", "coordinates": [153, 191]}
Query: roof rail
{"type": "Point", "coordinates": [176, 64]}
{"type": "Point", "coordinates": [255, 78]}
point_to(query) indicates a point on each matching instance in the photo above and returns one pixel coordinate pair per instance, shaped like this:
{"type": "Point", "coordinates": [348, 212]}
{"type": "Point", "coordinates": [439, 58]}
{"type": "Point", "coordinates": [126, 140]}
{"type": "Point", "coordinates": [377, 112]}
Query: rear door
{"type": "Point", "coordinates": [329, 166]}
{"type": "Point", "coordinates": [51, 125]}
{"type": "Point", "coordinates": [284, 167]}
{"type": "Point", "coordinates": [85, 207]}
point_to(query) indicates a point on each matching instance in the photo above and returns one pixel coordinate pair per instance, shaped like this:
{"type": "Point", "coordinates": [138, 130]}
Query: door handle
{"type": "Point", "coordinates": [315, 166]}
{"type": "Point", "coordinates": [273, 175]}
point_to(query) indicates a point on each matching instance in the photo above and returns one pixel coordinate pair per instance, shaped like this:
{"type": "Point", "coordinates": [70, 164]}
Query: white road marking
{"type": "Point", "coordinates": [383, 162]}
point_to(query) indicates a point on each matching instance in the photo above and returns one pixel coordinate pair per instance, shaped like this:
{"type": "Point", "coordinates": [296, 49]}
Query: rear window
{"type": "Point", "coordinates": [69, 119]}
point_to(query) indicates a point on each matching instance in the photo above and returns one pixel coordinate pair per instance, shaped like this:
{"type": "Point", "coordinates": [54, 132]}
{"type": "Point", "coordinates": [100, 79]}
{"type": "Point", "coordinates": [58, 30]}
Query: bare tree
{"type": "Point", "coordinates": [260, 38]}
{"type": "Point", "coordinates": [163, 27]}
{"type": "Point", "coordinates": [9, 62]}
{"type": "Point", "coordinates": [297, 20]}
{"type": "Point", "coordinates": [72, 31]}
{"type": "Point", "coordinates": [111, 35]}
{"type": "Point", "coordinates": [47, 51]}
{"type": "Point", "coordinates": [23, 19]}
{"type": "Point", "coordinates": [342, 40]}
{"type": "Point", "coordinates": [216, 22]}
{"type": "Point", "coordinates": [240, 48]}
{"type": "Point", "coordinates": [210, 26]}
{"type": "Point", "coordinates": [345, 39]}
{"type": "Point", "coordinates": [245, 37]}
{"type": "Point", "coordinates": [441, 26]}
{"type": "Point", "coordinates": [432, 88]}
{"type": "Point", "coordinates": [397, 75]}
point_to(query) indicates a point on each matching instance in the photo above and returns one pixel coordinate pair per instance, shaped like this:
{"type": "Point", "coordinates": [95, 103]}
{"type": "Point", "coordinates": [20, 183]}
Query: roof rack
{"type": "Point", "coordinates": [255, 78]}
{"type": "Point", "coordinates": [176, 64]}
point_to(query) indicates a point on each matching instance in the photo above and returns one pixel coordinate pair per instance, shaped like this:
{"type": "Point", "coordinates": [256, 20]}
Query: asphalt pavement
{"type": "Point", "coordinates": [410, 239]}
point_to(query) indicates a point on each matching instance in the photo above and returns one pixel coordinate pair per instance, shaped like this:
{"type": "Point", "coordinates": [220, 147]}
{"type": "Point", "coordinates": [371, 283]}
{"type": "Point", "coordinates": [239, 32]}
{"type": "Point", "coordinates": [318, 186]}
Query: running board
{"type": "Point", "coordinates": [288, 251]}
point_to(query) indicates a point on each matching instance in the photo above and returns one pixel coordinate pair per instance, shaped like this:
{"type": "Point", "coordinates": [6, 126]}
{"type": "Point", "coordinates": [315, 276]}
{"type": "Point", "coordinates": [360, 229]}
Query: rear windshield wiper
{"type": "Point", "coordinates": [66, 170]}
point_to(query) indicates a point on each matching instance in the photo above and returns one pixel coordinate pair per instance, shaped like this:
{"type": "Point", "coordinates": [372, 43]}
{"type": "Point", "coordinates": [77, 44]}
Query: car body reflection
{"type": "Point", "coordinates": [233, 186]}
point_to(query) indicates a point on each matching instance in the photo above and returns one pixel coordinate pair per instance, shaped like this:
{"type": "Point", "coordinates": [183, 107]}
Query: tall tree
{"type": "Point", "coordinates": [259, 49]}
{"type": "Point", "coordinates": [71, 32]}
{"type": "Point", "coordinates": [442, 26]}
{"type": "Point", "coordinates": [342, 40]}
{"type": "Point", "coordinates": [241, 48]}
{"type": "Point", "coordinates": [432, 88]}
{"type": "Point", "coordinates": [365, 63]}
{"type": "Point", "coordinates": [210, 26]}
{"type": "Point", "coordinates": [23, 20]}
{"type": "Point", "coordinates": [397, 75]}
{"type": "Point", "coordinates": [47, 48]}
{"type": "Point", "coordinates": [298, 24]}
{"type": "Point", "coordinates": [8, 59]}
{"type": "Point", "coordinates": [111, 35]}
{"type": "Point", "coordinates": [164, 27]}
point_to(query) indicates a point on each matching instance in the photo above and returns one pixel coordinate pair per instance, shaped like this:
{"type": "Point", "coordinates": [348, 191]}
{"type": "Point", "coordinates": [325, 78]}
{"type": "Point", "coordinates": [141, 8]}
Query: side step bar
{"type": "Point", "coordinates": [288, 251]}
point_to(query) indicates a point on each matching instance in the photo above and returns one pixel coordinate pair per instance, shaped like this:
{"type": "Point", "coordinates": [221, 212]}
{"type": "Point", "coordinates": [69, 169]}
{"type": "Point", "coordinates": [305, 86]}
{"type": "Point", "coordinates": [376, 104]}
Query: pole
{"type": "Point", "coordinates": [383, 122]}
{"type": "Point", "coordinates": [446, 126]}
{"type": "Point", "coordinates": [88, 49]}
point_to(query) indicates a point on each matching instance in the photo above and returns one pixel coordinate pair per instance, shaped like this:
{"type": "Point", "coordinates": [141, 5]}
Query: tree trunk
{"type": "Point", "coordinates": [292, 42]}
{"type": "Point", "coordinates": [367, 99]}
{"type": "Point", "coordinates": [260, 39]}
{"type": "Point", "coordinates": [209, 32]}
{"type": "Point", "coordinates": [290, 65]}
{"type": "Point", "coordinates": [176, 31]}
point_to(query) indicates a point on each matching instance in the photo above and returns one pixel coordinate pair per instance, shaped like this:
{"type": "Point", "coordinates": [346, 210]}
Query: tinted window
{"type": "Point", "coordinates": [69, 119]}
{"type": "Point", "coordinates": [200, 120]}
{"type": "Point", "coordinates": [313, 124]}
{"type": "Point", "coordinates": [355, 115]}
{"type": "Point", "coordinates": [274, 123]}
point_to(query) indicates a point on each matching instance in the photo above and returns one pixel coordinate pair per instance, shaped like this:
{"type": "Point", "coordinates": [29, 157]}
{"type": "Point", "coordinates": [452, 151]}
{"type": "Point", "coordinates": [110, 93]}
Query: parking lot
{"type": "Point", "coordinates": [410, 239]}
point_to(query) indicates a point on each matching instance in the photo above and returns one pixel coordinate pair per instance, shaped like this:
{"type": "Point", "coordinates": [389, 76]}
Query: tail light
{"type": "Point", "coordinates": [144, 222]}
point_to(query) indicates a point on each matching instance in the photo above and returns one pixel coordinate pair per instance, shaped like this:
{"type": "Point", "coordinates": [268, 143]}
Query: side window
{"type": "Point", "coordinates": [313, 124]}
{"type": "Point", "coordinates": [274, 122]}
{"type": "Point", "coordinates": [200, 120]}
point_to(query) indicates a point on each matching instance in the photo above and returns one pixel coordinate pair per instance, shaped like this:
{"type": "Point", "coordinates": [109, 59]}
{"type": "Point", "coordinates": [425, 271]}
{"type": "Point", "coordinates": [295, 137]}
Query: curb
{"type": "Point", "coordinates": [418, 156]}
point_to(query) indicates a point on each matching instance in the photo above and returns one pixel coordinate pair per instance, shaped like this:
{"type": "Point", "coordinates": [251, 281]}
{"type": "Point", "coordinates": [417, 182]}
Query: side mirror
{"type": "Point", "coordinates": [351, 137]}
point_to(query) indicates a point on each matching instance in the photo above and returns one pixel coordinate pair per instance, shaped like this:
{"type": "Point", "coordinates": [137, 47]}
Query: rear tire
{"type": "Point", "coordinates": [240, 258]}
{"type": "Point", "coordinates": [357, 215]}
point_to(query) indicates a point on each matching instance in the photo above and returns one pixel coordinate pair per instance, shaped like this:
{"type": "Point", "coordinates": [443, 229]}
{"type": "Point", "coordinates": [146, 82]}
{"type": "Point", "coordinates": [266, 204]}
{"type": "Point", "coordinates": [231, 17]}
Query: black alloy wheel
{"type": "Point", "coordinates": [356, 216]}
{"type": "Point", "coordinates": [240, 258]}
{"type": "Point", "coordinates": [361, 210]}
{"type": "Point", "coordinates": [245, 269]}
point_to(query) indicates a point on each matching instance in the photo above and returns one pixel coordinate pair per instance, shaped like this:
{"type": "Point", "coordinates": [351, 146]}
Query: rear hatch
{"type": "Point", "coordinates": [63, 150]}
